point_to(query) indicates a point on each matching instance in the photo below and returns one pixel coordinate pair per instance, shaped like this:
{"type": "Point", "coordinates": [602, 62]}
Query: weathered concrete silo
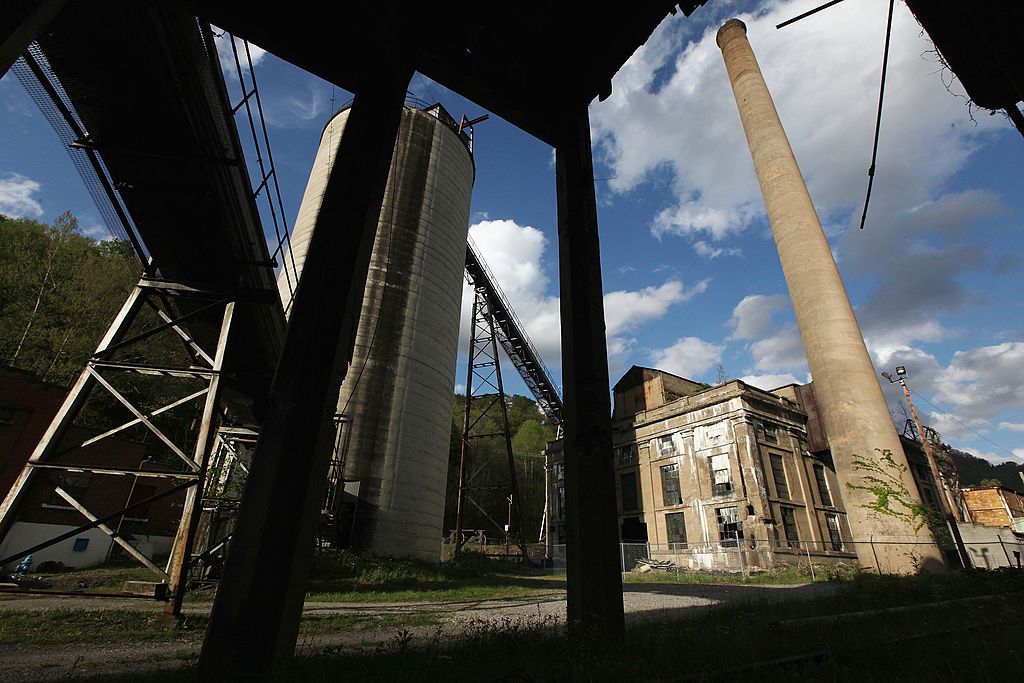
{"type": "Point", "coordinates": [397, 395]}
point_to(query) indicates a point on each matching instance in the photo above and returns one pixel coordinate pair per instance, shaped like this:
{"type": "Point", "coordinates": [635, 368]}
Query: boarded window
{"type": "Point", "coordinates": [670, 485]}
{"type": "Point", "coordinates": [789, 527]}
{"type": "Point", "coordinates": [666, 446]}
{"type": "Point", "coordinates": [730, 529]}
{"type": "Point", "coordinates": [675, 523]}
{"type": "Point", "coordinates": [630, 499]}
{"type": "Point", "coordinates": [721, 475]}
{"type": "Point", "coordinates": [834, 535]}
{"type": "Point", "coordinates": [779, 475]}
{"type": "Point", "coordinates": [819, 476]}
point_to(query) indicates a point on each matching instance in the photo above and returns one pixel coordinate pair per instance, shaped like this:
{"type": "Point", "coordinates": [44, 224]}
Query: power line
{"type": "Point", "coordinates": [950, 415]}
{"type": "Point", "coordinates": [878, 117]}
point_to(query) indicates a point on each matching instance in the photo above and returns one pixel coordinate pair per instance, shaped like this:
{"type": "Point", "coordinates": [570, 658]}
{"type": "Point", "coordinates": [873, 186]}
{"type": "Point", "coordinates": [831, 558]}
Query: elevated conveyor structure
{"type": "Point", "coordinates": [145, 83]}
{"type": "Point", "coordinates": [137, 90]}
{"type": "Point", "coordinates": [512, 336]}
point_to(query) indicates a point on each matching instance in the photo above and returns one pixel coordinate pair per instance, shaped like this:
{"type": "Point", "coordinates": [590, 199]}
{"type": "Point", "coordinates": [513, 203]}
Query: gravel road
{"type": "Point", "coordinates": [642, 602]}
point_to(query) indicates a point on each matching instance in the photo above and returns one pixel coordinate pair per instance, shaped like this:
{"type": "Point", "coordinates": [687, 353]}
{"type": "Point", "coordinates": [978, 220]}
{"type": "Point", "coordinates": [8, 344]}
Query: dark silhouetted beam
{"type": "Point", "coordinates": [592, 551]}
{"type": "Point", "coordinates": [255, 619]}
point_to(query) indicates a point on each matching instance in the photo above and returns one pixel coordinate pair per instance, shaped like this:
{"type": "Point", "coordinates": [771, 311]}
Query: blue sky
{"type": "Point", "coordinates": [692, 276]}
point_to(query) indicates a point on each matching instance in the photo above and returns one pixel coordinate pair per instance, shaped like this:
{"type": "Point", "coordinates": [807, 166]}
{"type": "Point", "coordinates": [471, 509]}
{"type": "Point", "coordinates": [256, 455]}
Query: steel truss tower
{"type": "Point", "coordinates": [484, 388]}
{"type": "Point", "coordinates": [183, 467]}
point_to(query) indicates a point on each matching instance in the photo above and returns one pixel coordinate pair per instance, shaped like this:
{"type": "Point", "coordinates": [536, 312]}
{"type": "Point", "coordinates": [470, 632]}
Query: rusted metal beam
{"type": "Point", "coordinates": [593, 578]}
{"type": "Point", "coordinates": [255, 619]}
{"type": "Point", "coordinates": [128, 547]}
{"type": "Point", "coordinates": [181, 551]}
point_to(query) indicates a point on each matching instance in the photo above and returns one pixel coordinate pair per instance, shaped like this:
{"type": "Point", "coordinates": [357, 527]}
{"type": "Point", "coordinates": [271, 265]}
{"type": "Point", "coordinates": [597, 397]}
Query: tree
{"type": "Point", "coordinates": [58, 292]}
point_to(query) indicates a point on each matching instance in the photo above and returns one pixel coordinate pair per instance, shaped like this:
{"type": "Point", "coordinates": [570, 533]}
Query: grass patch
{"type": "Point", "coordinates": [346, 576]}
{"type": "Point", "coordinates": [106, 627]}
{"type": "Point", "coordinates": [68, 626]}
{"type": "Point", "coordinates": [770, 641]}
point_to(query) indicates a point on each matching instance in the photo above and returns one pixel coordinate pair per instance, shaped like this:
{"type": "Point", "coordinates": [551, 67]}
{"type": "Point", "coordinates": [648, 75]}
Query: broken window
{"type": "Point", "coordinates": [560, 503]}
{"type": "Point", "coordinates": [559, 471]}
{"type": "Point", "coordinates": [721, 475]}
{"type": "Point", "coordinates": [627, 454]}
{"type": "Point", "coordinates": [730, 529]}
{"type": "Point", "coordinates": [771, 433]}
{"type": "Point", "coordinates": [666, 446]}
{"type": "Point", "coordinates": [630, 499]}
{"type": "Point", "coordinates": [819, 476]}
{"type": "Point", "coordinates": [670, 485]}
{"type": "Point", "coordinates": [75, 483]}
{"type": "Point", "coordinates": [779, 475]}
{"type": "Point", "coordinates": [676, 525]}
{"type": "Point", "coordinates": [834, 535]}
{"type": "Point", "coordinates": [789, 527]}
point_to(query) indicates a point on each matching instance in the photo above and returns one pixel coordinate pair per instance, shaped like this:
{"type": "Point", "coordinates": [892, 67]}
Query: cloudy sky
{"type": "Point", "coordinates": [692, 276]}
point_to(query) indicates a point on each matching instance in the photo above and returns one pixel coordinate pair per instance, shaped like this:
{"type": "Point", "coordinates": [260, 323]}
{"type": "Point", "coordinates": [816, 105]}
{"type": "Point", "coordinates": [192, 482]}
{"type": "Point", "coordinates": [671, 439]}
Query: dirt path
{"type": "Point", "coordinates": [642, 602]}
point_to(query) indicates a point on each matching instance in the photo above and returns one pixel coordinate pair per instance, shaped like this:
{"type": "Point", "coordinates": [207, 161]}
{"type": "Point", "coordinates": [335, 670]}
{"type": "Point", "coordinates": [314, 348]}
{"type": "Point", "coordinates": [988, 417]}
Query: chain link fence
{"type": "Point", "coordinates": [1000, 549]}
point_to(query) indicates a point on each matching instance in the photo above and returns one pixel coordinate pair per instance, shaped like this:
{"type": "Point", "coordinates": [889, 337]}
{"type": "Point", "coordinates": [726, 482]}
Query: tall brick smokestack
{"type": "Point", "coordinates": [850, 401]}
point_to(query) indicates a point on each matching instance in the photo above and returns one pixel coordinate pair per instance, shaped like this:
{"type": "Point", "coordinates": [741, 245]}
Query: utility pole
{"type": "Point", "coordinates": [947, 501]}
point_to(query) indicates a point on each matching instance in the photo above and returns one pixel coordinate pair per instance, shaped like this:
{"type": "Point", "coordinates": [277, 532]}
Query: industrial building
{"type": "Point", "coordinates": [723, 477]}
{"type": "Point", "coordinates": [387, 481]}
{"type": "Point", "coordinates": [26, 410]}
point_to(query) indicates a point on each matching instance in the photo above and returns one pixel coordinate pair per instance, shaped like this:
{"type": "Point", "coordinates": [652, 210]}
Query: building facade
{"type": "Point", "coordinates": [716, 477]}
{"type": "Point", "coordinates": [27, 406]}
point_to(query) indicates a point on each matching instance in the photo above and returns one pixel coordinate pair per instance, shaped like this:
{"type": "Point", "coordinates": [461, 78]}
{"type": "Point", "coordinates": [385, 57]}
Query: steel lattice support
{"type": "Point", "coordinates": [123, 338]}
{"type": "Point", "coordinates": [484, 387]}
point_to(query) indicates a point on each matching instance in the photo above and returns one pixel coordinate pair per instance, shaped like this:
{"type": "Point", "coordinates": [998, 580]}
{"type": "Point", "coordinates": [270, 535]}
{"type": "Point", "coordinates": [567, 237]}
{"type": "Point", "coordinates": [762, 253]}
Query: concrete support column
{"type": "Point", "coordinates": [255, 620]}
{"type": "Point", "coordinates": [593, 577]}
{"type": "Point", "coordinates": [850, 400]}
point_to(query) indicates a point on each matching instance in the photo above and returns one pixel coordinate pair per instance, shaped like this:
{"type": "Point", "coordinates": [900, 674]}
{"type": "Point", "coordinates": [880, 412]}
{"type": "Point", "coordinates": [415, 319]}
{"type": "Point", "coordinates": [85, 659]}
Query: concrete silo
{"type": "Point", "coordinates": [397, 396]}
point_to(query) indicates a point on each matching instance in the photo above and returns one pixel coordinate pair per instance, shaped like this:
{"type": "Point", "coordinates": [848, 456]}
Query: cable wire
{"type": "Point", "coordinates": [950, 415]}
{"type": "Point", "coordinates": [878, 116]}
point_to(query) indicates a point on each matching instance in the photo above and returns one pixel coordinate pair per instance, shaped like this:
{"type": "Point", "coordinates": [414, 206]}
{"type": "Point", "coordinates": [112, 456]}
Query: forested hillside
{"type": "Point", "coordinates": [489, 468]}
{"type": "Point", "coordinates": [59, 290]}
{"type": "Point", "coordinates": [976, 471]}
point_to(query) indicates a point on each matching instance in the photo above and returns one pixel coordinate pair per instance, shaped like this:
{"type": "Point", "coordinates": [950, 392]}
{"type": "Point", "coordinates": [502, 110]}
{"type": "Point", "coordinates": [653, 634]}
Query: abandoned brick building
{"type": "Point", "coordinates": [722, 476]}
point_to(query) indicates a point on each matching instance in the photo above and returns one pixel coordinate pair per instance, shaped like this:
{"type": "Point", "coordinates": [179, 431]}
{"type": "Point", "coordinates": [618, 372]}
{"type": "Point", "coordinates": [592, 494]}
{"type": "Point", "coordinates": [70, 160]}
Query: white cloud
{"type": "Point", "coordinates": [780, 352]}
{"type": "Point", "coordinates": [227, 56]}
{"type": "Point", "coordinates": [999, 456]}
{"type": "Point", "coordinates": [769, 382]}
{"type": "Point", "coordinates": [823, 74]}
{"type": "Point", "coordinates": [705, 250]}
{"type": "Point", "coordinates": [980, 383]}
{"type": "Point", "coordinates": [625, 310]}
{"type": "Point", "coordinates": [1012, 426]}
{"type": "Point", "coordinates": [689, 357]}
{"type": "Point", "coordinates": [17, 196]}
{"type": "Point", "coordinates": [752, 318]}
{"type": "Point", "coordinates": [515, 256]}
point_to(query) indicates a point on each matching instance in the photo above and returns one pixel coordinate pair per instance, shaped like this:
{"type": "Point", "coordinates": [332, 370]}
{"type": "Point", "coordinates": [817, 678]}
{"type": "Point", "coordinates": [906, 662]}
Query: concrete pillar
{"type": "Point", "coordinates": [255, 620]}
{"type": "Point", "coordinates": [849, 398]}
{"type": "Point", "coordinates": [593, 573]}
